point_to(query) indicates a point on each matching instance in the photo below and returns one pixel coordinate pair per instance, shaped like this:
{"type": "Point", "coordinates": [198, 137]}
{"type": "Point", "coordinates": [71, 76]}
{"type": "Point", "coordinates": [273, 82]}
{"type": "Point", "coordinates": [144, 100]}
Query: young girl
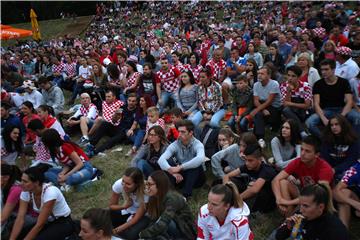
{"type": "Point", "coordinates": [170, 215]}
{"type": "Point", "coordinates": [232, 156]}
{"type": "Point", "coordinates": [340, 146]}
{"type": "Point", "coordinates": [217, 218]}
{"type": "Point", "coordinates": [153, 119]}
{"type": "Point", "coordinates": [54, 221]}
{"type": "Point", "coordinates": [286, 146]}
{"type": "Point", "coordinates": [29, 112]}
{"type": "Point", "coordinates": [76, 168]}
{"type": "Point", "coordinates": [128, 218]}
{"type": "Point", "coordinates": [226, 138]}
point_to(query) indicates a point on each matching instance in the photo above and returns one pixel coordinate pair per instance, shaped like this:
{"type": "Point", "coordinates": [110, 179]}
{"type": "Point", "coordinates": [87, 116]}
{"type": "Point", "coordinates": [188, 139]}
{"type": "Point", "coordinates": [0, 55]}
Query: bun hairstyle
{"type": "Point", "coordinates": [230, 192]}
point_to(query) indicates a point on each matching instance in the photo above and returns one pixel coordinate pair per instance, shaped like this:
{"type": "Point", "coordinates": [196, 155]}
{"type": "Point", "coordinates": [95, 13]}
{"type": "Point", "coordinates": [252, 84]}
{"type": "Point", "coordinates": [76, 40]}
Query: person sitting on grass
{"type": "Point", "coordinates": [316, 219]}
{"type": "Point", "coordinates": [170, 215]}
{"type": "Point", "coordinates": [76, 168]}
{"type": "Point", "coordinates": [301, 172]}
{"type": "Point", "coordinates": [172, 132]}
{"type": "Point", "coordinates": [254, 180]}
{"type": "Point", "coordinates": [242, 105]}
{"type": "Point", "coordinates": [183, 159]}
{"type": "Point", "coordinates": [225, 216]}
{"type": "Point", "coordinates": [46, 115]}
{"type": "Point", "coordinates": [232, 156]}
{"type": "Point", "coordinates": [84, 117]}
{"type": "Point", "coordinates": [153, 119]}
{"type": "Point", "coordinates": [54, 220]}
{"type": "Point", "coordinates": [128, 219]}
{"type": "Point", "coordinates": [286, 147]}
{"type": "Point", "coordinates": [146, 159]}
{"type": "Point", "coordinates": [347, 194]}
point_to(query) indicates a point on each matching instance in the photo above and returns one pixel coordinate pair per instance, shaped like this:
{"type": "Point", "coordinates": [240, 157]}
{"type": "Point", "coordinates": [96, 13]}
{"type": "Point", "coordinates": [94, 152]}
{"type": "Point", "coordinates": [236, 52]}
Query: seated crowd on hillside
{"type": "Point", "coordinates": [262, 104]}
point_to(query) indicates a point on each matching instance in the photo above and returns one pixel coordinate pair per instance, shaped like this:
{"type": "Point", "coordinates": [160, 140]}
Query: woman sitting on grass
{"type": "Point", "coordinates": [148, 155]}
{"type": "Point", "coordinates": [170, 214]}
{"type": "Point", "coordinates": [128, 218]}
{"type": "Point", "coordinates": [76, 168]}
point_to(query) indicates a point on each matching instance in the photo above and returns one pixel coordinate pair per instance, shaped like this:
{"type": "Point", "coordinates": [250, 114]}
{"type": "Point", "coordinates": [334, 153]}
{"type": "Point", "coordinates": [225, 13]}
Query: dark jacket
{"type": "Point", "coordinates": [175, 209]}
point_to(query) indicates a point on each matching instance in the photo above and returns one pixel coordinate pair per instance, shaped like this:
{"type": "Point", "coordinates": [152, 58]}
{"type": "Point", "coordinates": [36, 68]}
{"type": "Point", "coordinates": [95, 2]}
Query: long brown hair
{"type": "Point", "coordinates": [347, 135]}
{"type": "Point", "coordinates": [230, 192]}
{"type": "Point", "coordinates": [163, 186]}
{"type": "Point", "coordinates": [159, 131]}
{"type": "Point", "coordinates": [138, 178]}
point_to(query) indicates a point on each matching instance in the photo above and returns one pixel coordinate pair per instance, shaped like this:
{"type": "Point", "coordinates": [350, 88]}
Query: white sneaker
{"type": "Point", "coordinates": [262, 143]}
{"type": "Point", "coordinates": [119, 149]}
{"type": "Point", "coordinates": [65, 188]}
{"type": "Point", "coordinates": [101, 154]}
{"type": "Point", "coordinates": [207, 159]}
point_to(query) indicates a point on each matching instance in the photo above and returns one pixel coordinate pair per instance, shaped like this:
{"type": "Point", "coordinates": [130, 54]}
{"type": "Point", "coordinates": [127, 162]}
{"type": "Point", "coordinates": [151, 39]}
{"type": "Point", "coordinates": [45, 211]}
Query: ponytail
{"type": "Point", "coordinates": [230, 192]}
{"type": "Point", "coordinates": [322, 195]}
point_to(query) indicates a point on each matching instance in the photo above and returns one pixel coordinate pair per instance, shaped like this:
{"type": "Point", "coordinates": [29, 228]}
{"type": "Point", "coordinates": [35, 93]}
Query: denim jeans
{"type": "Point", "coordinates": [145, 167]}
{"type": "Point", "coordinates": [58, 81]}
{"type": "Point", "coordinates": [244, 124]}
{"type": "Point", "coordinates": [165, 96]}
{"type": "Point", "coordinates": [215, 119]}
{"type": "Point", "coordinates": [137, 137]}
{"type": "Point", "coordinates": [314, 120]}
{"type": "Point", "coordinates": [83, 175]}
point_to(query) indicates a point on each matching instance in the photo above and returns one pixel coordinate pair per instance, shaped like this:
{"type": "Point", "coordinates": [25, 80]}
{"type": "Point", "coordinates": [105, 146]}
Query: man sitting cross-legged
{"type": "Point", "coordinates": [303, 171]}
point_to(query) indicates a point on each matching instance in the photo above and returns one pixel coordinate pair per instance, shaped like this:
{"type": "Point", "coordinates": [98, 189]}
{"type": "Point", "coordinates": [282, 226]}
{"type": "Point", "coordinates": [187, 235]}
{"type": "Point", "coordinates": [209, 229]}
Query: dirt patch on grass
{"type": "Point", "coordinates": [77, 26]}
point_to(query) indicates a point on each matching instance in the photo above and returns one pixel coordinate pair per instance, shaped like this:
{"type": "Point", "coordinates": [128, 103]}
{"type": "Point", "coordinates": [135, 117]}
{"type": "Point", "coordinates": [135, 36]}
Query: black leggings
{"type": "Point", "coordinates": [132, 232]}
{"type": "Point", "coordinates": [56, 230]}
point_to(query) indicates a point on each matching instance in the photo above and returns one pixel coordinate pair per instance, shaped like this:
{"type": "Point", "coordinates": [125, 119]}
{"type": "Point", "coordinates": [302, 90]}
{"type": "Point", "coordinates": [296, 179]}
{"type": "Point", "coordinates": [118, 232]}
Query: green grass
{"type": "Point", "coordinates": [53, 28]}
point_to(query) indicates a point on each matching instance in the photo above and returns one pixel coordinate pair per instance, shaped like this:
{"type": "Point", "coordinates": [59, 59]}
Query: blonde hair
{"type": "Point", "coordinates": [307, 57]}
{"type": "Point", "coordinates": [153, 110]}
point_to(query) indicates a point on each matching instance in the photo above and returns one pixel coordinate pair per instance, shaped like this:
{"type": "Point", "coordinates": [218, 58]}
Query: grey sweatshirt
{"type": "Point", "coordinates": [190, 156]}
{"type": "Point", "coordinates": [231, 155]}
{"type": "Point", "coordinates": [283, 154]}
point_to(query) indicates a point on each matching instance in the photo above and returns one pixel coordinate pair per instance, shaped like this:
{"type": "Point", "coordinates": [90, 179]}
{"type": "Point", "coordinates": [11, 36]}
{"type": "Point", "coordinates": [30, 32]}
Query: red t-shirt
{"type": "Point", "coordinates": [321, 171]}
{"type": "Point", "coordinates": [66, 149]}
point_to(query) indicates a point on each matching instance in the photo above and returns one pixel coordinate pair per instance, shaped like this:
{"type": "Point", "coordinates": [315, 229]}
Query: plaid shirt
{"type": "Point", "coordinates": [109, 109]}
{"type": "Point", "coordinates": [352, 176]}
{"type": "Point", "coordinates": [218, 67]}
{"type": "Point", "coordinates": [131, 80]}
{"type": "Point", "coordinates": [70, 69]}
{"type": "Point", "coordinates": [58, 68]}
{"type": "Point", "coordinates": [210, 98]}
{"type": "Point", "coordinates": [169, 80]}
{"type": "Point", "coordinates": [303, 91]}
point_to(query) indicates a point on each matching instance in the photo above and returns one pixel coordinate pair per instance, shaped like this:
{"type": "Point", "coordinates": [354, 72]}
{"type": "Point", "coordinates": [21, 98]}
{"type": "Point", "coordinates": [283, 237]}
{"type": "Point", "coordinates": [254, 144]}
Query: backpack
{"type": "Point", "coordinates": [209, 138]}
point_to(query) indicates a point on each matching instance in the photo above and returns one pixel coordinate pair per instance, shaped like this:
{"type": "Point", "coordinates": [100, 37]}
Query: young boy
{"type": "Point", "coordinates": [153, 119]}
{"type": "Point", "coordinates": [172, 132]}
{"type": "Point", "coordinates": [254, 180]}
{"type": "Point", "coordinates": [242, 105]}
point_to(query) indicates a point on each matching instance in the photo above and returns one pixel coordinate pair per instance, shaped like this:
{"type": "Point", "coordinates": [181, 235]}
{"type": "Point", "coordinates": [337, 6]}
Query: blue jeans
{"type": "Point", "coordinates": [165, 96]}
{"type": "Point", "coordinates": [244, 124]}
{"type": "Point", "coordinates": [58, 81]}
{"type": "Point", "coordinates": [145, 167]}
{"type": "Point", "coordinates": [215, 119]}
{"type": "Point", "coordinates": [83, 175]}
{"type": "Point", "coordinates": [314, 120]}
{"type": "Point", "coordinates": [137, 137]}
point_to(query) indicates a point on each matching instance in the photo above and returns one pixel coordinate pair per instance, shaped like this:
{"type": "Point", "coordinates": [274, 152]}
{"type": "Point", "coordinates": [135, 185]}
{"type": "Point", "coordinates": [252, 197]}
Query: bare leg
{"type": "Point", "coordinates": [288, 191]}
{"type": "Point", "coordinates": [96, 125]}
{"type": "Point", "coordinates": [84, 126]}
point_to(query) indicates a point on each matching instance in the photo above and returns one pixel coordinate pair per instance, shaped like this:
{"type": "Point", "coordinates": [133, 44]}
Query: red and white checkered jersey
{"type": "Point", "coordinates": [70, 69]}
{"type": "Point", "coordinates": [196, 72]}
{"type": "Point", "coordinates": [180, 66]}
{"type": "Point", "coordinates": [58, 68]}
{"type": "Point", "coordinates": [131, 80]}
{"type": "Point", "coordinates": [160, 122]}
{"type": "Point", "coordinates": [319, 32]}
{"type": "Point", "coordinates": [109, 110]}
{"type": "Point", "coordinates": [85, 110]}
{"type": "Point", "coordinates": [304, 91]}
{"type": "Point", "coordinates": [218, 67]}
{"type": "Point", "coordinates": [41, 152]}
{"type": "Point", "coordinates": [169, 80]}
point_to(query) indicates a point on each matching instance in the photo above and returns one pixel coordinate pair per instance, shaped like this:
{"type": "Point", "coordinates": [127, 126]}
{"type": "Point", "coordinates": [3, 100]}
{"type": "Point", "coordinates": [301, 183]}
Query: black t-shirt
{"type": "Point", "coordinates": [128, 117]}
{"type": "Point", "coordinates": [265, 172]}
{"type": "Point", "coordinates": [332, 95]}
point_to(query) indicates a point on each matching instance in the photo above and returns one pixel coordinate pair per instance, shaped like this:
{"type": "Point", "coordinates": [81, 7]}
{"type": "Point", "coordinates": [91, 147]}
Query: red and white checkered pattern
{"type": "Point", "coordinates": [42, 152]}
{"type": "Point", "coordinates": [218, 67]}
{"type": "Point", "coordinates": [70, 69]}
{"type": "Point", "coordinates": [205, 45]}
{"type": "Point", "coordinates": [180, 66]}
{"type": "Point", "coordinates": [109, 109]}
{"type": "Point", "coordinates": [344, 51]}
{"type": "Point", "coordinates": [169, 80]}
{"type": "Point", "coordinates": [319, 32]}
{"type": "Point", "coordinates": [85, 110]}
{"type": "Point", "coordinates": [160, 122]}
{"type": "Point", "coordinates": [348, 174]}
{"type": "Point", "coordinates": [58, 68]}
{"type": "Point", "coordinates": [3, 152]}
{"type": "Point", "coordinates": [304, 91]}
{"type": "Point", "coordinates": [131, 80]}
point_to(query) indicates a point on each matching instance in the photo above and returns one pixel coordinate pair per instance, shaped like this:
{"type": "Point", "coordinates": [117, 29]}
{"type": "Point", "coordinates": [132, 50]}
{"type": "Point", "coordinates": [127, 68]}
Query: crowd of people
{"type": "Point", "coordinates": [263, 97]}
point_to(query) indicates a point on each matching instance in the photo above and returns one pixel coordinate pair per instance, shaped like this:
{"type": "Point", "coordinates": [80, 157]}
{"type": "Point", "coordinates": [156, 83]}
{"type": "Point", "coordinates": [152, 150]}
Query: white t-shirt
{"type": "Point", "coordinates": [85, 73]}
{"type": "Point", "coordinates": [49, 192]}
{"type": "Point", "coordinates": [118, 188]}
{"type": "Point", "coordinates": [35, 97]}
